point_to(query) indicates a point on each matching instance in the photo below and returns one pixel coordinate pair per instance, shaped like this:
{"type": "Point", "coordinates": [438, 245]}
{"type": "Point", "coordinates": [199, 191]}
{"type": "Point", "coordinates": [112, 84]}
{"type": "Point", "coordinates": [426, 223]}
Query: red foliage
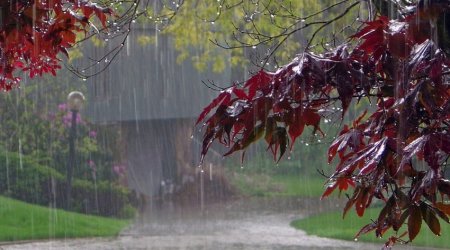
{"type": "Point", "coordinates": [34, 32]}
{"type": "Point", "coordinates": [395, 62]}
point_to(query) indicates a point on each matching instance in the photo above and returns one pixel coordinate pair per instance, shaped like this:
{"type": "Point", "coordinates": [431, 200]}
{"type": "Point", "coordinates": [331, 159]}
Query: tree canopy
{"type": "Point", "coordinates": [395, 152]}
{"type": "Point", "coordinates": [38, 36]}
{"type": "Point", "coordinates": [33, 33]}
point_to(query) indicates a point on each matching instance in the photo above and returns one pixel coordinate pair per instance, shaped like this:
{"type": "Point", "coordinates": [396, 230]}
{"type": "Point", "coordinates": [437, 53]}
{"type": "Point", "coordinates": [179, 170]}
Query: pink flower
{"type": "Point", "coordinates": [93, 134]}
{"type": "Point", "coordinates": [119, 169]}
{"type": "Point", "coordinates": [62, 107]}
{"type": "Point", "coordinates": [67, 119]}
{"type": "Point", "coordinates": [92, 165]}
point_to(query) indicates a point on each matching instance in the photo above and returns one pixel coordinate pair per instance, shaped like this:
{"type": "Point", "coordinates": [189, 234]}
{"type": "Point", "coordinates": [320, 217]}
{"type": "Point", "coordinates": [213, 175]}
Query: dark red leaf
{"type": "Point", "coordinates": [399, 223]}
{"type": "Point", "coordinates": [413, 149]}
{"type": "Point", "coordinates": [240, 93]}
{"type": "Point", "coordinates": [414, 222]}
{"type": "Point", "coordinates": [330, 188]}
{"type": "Point", "coordinates": [445, 208]}
{"type": "Point", "coordinates": [296, 126]}
{"type": "Point", "coordinates": [223, 97]}
{"type": "Point", "coordinates": [256, 82]}
{"type": "Point", "coordinates": [430, 218]}
{"type": "Point", "coordinates": [366, 229]}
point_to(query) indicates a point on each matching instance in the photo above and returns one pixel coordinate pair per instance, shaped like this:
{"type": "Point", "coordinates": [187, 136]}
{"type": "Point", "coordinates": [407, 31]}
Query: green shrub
{"type": "Point", "coordinates": [128, 212]}
{"type": "Point", "coordinates": [23, 179]}
{"type": "Point", "coordinates": [104, 198]}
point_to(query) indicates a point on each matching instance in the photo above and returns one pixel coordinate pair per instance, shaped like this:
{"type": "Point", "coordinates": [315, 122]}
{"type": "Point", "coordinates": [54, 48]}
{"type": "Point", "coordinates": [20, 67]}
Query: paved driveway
{"type": "Point", "coordinates": [239, 224]}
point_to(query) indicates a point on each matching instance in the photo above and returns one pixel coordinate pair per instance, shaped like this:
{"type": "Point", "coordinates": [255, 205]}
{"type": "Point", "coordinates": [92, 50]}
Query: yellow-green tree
{"type": "Point", "coordinates": [266, 33]}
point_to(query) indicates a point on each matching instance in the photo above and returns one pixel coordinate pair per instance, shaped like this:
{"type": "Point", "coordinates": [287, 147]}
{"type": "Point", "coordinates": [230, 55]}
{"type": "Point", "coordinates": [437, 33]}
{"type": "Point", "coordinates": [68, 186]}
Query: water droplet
{"type": "Point", "coordinates": [303, 20]}
{"type": "Point", "coordinates": [213, 23]}
{"type": "Point", "coordinates": [289, 157]}
{"type": "Point", "coordinates": [306, 144]}
{"type": "Point", "coordinates": [253, 47]}
{"type": "Point", "coordinates": [356, 239]}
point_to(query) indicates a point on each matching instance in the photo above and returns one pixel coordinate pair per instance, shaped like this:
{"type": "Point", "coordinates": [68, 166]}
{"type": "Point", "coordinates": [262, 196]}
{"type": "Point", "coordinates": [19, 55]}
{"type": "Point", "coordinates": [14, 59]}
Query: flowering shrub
{"type": "Point", "coordinates": [92, 163]}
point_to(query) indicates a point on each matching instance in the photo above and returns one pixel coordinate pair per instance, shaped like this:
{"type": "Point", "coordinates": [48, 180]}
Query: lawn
{"type": "Point", "coordinates": [278, 185]}
{"type": "Point", "coordinates": [332, 225]}
{"type": "Point", "coordinates": [23, 221]}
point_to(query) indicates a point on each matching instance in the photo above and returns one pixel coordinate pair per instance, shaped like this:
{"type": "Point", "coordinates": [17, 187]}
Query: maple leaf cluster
{"type": "Point", "coordinates": [396, 154]}
{"type": "Point", "coordinates": [34, 32]}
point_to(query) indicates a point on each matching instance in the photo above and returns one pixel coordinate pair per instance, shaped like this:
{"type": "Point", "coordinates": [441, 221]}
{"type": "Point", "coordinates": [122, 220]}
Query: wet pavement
{"type": "Point", "coordinates": [239, 224]}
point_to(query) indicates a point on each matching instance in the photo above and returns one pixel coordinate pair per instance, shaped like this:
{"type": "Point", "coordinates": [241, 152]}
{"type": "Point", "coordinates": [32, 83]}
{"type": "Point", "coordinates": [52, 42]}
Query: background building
{"type": "Point", "coordinates": [155, 101]}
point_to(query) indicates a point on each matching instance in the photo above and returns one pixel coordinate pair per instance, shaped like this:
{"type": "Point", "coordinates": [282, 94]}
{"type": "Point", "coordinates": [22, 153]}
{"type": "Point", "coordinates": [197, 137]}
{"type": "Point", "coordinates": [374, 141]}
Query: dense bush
{"type": "Point", "coordinates": [22, 178]}
{"type": "Point", "coordinates": [106, 198]}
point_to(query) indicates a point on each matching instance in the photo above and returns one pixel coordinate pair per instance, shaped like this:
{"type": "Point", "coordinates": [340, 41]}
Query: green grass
{"type": "Point", "coordinates": [278, 185]}
{"type": "Point", "coordinates": [331, 225]}
{"type": "Point", "coordinates": [303, 186]}
{"type": "Point", "coordinates": [23, 221]}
